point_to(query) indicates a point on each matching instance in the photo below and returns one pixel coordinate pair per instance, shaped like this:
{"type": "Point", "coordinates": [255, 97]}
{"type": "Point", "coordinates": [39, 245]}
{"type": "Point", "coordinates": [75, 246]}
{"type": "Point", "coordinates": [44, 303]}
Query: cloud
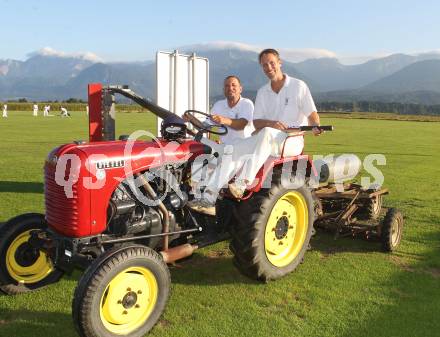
{"type": "Point", "coordinates": [359, 59]}
{"type": "Point", "coordinates": [429, 52]}
{"type": "Point", "coordinates": [215, 45]}
{"type": "Point", "coordinates": [301, 54]}
{"type": "Point", "coordinates": [48, 51]}
{"type": "Point", "coordinates": [298, 55]}
{"type": "Point", "coordinates": [288, 54]}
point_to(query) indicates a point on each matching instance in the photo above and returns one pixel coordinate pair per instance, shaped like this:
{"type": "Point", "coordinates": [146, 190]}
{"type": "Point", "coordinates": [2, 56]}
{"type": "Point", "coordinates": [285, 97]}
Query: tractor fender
{"type": "Point", "coordinates": [264, 175]}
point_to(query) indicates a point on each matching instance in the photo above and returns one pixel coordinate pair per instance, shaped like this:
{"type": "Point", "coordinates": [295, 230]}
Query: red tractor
{"type": "Point", "coordinates": [122, 215]}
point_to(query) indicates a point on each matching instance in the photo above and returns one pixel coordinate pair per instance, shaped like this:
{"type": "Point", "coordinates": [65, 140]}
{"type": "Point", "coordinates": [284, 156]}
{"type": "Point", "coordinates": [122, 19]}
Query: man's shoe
{"type": "Point", "coordinates": [199, 202]}
{"type": "Point", "coordinates": [202, 206]}
{"type": "Point", "coordinates": [237, 189]}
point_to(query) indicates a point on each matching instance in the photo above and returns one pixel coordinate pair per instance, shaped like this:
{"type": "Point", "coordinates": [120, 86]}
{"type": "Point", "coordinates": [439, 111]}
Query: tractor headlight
{"type": "Point", "coordinates": [173, 127]}
{"type": "Point", "coordinates": [52, 157]}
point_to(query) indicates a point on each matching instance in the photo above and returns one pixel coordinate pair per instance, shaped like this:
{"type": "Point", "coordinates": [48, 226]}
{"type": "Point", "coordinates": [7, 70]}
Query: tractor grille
{"type": "Point", "coordinates": [61, 211]}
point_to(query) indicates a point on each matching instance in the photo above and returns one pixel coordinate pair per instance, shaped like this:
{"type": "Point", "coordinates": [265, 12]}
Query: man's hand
{"type": "Point", "coordinates": [236, 124]}
{"type": "Point", "coordinates": [317, 131]}
{"type": "Point", "coordinates": [267, 123]}
{"type": "Point", "coordinates": [185, 116]}
{"type": "Point", "coordinates": [220, 119]}
{"type": "Point", "coordinates": [314, 121]}
{"type": "Point", "coordinates": [278, 125]}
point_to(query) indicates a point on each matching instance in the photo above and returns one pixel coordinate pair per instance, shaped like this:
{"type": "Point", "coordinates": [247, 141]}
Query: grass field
{"type": "Point", "coordinates": [344, 288]}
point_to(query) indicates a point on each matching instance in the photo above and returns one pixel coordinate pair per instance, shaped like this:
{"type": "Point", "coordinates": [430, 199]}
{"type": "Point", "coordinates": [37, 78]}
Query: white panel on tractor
{"type": "Point", "coordinates": [182, 83]}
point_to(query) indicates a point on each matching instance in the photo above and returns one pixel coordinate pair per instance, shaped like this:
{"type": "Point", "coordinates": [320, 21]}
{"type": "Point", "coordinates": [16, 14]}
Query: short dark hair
{"type": "Point", "coordinates": [268, 51]}
{"type": "Point", "coordinates": [232, 76]}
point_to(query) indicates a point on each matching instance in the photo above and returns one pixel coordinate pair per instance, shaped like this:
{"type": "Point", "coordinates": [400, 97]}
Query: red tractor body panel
{"type": "Point", "coordinates": [95, 170]}
{"type": "Point", "coordinates": [271, 162]}
{"type": "Point", "coordinates": [95, 116]}
{"type": "Point", "coordinates": [68, 214]}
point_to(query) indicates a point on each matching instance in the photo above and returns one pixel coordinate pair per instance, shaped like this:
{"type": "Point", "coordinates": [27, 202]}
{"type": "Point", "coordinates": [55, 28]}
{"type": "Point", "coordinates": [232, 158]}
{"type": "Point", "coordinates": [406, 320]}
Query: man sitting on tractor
{"type": "Point", "coordinates": [235, 112]}
{"type": "Point", "coordinates": [283, 103]}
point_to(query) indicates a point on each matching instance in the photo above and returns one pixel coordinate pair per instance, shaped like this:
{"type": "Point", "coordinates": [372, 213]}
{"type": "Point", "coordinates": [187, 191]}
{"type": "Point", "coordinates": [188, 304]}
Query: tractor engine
{"type": "Point", "coordinates": [131, 211]}
{"type": "Point", "coordinates": [127, 215]}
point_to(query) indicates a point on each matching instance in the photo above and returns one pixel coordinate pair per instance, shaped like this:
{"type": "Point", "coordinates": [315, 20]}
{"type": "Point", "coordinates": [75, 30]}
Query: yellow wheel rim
{"type": "Point", "coordinates": [286, 229]}
{"type": "Point", "coordinates": [25, 266]}
{"type": "Point", "coordinates": [128, 300]}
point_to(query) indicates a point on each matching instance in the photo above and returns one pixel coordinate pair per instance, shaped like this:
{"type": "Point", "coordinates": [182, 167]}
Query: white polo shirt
{"type": "Point", "coordinates": [243, 109]}
{"type": "Point", "coordinates": [292, 105]}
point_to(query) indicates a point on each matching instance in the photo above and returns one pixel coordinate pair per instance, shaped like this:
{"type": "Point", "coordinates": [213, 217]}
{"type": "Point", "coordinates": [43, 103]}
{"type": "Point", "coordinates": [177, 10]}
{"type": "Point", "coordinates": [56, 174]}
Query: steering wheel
{"type": "Point", "coordinates": [217, 129]}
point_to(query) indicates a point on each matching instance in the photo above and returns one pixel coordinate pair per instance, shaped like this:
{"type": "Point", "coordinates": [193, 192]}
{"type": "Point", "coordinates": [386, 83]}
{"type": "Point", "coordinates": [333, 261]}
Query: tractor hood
{"type": "Point", "coordinates": [137, 155]}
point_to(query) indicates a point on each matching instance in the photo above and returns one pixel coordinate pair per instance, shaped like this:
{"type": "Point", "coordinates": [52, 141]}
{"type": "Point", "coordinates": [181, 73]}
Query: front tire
{"type": "Point", "coordinates": [122, 293]}
{"type": "Point", "coordinates": [24, 268]}
{"type": "Point", "coordinates": [273, 231]}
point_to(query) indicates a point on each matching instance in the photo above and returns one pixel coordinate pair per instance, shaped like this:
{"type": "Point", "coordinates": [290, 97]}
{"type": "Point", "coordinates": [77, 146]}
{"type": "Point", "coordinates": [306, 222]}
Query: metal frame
{"type": "Point", "coordinates": [341, 221]}
{"type": "Point", "coordinates": [102, 113]}
{"type": "Point", "coordinates": [175, 61]}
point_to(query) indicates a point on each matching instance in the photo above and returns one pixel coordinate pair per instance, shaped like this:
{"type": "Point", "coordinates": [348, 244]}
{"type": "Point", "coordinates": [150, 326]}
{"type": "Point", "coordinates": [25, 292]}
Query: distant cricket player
{"type": "Point", "coordinates": [64, 112]}
{"type": "Point", "coordinates": [5, 110]}
{"type": "Point", "coordinates": [35, 110]}
{"type": "Point", "coordinates": [46, 110]}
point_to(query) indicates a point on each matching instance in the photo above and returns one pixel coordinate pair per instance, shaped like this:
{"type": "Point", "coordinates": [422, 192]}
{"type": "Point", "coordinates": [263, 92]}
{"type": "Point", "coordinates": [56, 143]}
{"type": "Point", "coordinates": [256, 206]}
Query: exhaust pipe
{"type": "Point", "coordinates": [162, 208]}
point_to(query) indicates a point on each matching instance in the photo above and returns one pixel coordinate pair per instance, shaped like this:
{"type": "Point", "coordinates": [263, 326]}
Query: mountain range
{"type": "Point", "coordinates": [395, 78]}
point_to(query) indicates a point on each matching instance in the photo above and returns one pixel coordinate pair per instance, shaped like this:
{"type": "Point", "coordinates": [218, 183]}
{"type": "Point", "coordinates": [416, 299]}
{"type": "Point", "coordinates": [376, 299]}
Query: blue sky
{"type": "Point", "coordinates": [134, 30]}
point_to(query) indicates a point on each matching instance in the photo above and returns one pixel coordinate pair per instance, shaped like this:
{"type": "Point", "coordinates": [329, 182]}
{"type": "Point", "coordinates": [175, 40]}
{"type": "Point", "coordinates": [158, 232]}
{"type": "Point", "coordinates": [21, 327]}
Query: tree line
{"type": "Point", "coordinates": [368, 106]}
{"type": "Point", "coordinates": [355, 106]}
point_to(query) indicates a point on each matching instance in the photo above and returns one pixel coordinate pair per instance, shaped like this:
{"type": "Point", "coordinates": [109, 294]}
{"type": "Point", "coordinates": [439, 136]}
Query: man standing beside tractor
{"type": "Point", "coordinates": [283, 103]}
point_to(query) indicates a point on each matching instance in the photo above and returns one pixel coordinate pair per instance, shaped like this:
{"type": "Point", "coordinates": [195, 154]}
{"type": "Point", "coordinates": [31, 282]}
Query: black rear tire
{"type": "Point", "coordinates": [268, 242]}
{"type": "Point", "coordinates": [122, 293]}
{"type": "Point", "coordinates": [391, 231]}
{"type": "Point", "coordinates": [22, 268]}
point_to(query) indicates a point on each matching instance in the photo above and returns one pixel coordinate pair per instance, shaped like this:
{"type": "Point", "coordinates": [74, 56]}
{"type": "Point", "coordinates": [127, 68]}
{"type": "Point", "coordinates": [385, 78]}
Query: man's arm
{"type": "Point", "coordinates": [313, 118]}
{"type": "Point", "coordinates": [263, 123]}
{"type": "Point", "coordinates": [236, 124]}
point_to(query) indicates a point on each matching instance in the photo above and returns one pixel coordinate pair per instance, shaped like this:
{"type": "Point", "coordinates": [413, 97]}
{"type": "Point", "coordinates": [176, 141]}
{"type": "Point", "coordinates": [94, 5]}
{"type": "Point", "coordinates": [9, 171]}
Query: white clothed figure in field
{"type": "Point", "coordinates": [282, 103]}
{"type": "Point", "coordinates": [35, 110]}
{"type": "Point", "coordinates": [46, 110]}
{"type": "Point", "coordinates": [5, 111]}
{"type": "Point", "coordinates": [64, 112]}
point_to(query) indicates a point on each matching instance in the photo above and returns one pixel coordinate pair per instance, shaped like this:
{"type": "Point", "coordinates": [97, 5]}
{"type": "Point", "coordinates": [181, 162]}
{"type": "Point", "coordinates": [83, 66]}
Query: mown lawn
{"type": "Point", "coordinates": [344, 288]}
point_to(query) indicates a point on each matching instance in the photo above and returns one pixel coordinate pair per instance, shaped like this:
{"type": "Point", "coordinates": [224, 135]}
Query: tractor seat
{"type": "Point", "coordinates": [293, 145]}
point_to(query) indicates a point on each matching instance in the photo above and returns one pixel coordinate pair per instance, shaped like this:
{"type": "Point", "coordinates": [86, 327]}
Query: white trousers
{"type": "Point", "coordinates": [246, 156]}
